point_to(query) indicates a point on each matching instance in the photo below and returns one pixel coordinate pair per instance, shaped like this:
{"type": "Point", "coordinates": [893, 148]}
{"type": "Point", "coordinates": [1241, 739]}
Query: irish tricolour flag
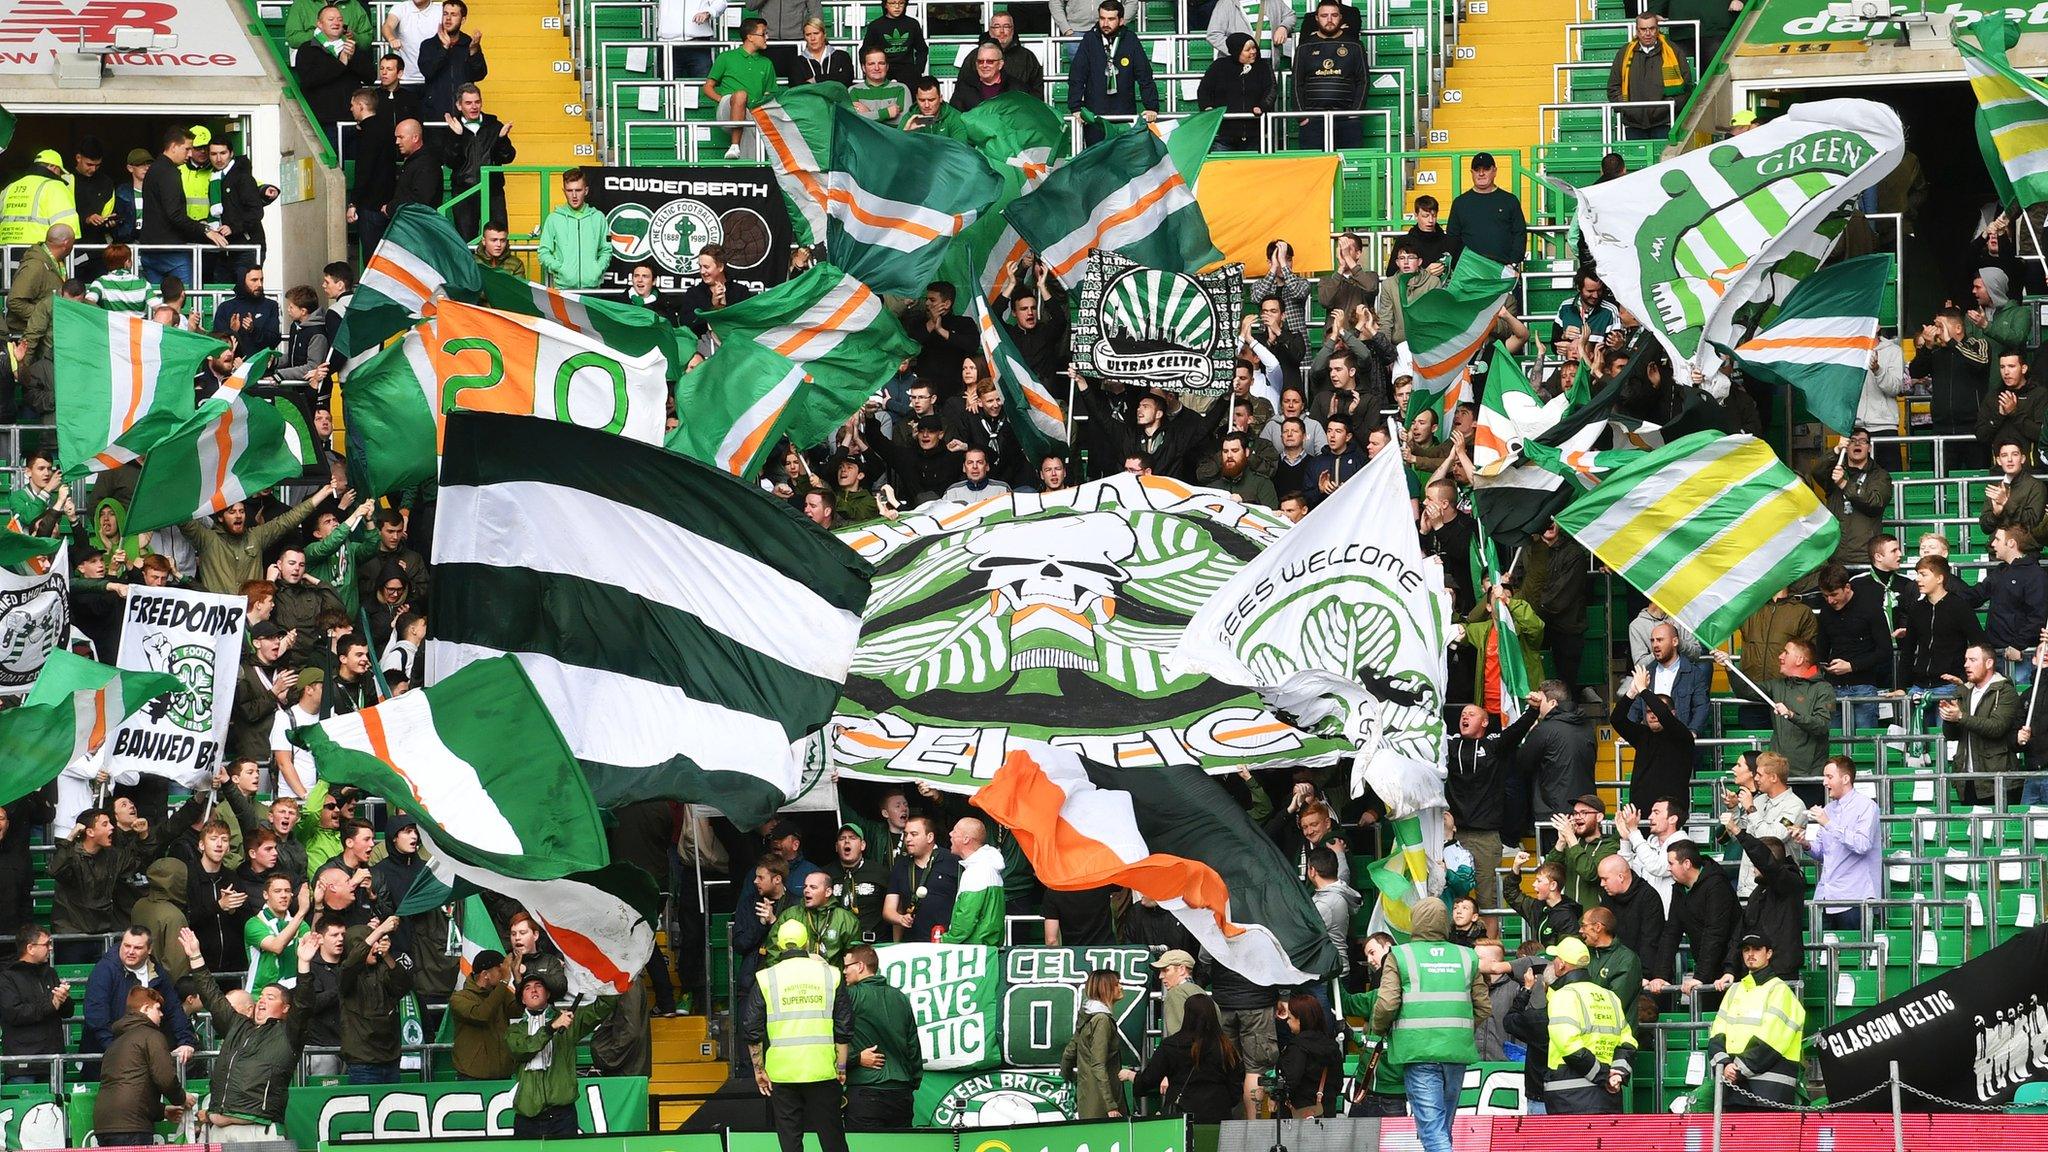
{"type": "Point", "coordinates": [233, 447]}
{"type": "Point", "coordinates": [1447, 326]}
{"type": "Point", "coordinates": [1822, 338]}
{"type": "Point", "coordinates": [477, 759]}
{"type": "Point", "coordinates": [122, 383]}
{"type": "Point", "coordinates": [74, 705]}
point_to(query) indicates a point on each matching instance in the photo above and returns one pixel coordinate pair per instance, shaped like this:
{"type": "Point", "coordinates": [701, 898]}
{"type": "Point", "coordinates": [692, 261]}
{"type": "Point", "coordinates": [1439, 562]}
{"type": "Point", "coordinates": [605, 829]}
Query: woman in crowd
{"type": "Point", "coordinates": [1240, 82]}
{"type": "Point", "coordinates": [1312, 1065]}
{"type": "Point", "coordinates": [1092, 1059]}
{"type": "Point", "coordinates": [1196, 1071]}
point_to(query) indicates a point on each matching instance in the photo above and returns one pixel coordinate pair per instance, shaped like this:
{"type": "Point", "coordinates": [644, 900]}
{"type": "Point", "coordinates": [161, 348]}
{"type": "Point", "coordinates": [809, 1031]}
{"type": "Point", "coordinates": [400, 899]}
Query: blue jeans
{"type": "Point", "coordinates": [2020, 671]}
{"type": "Point", "coordinates": [2035, 791]}
{"type": "Point", "coordinates": [371, 1073]}
{"type": "Point", "coordinates": [1860, 715]}
{"type": "Point", "coordinates": [1849, 919]}
{"type": "Point", "coordinates": [1433, 1100]}
{"type": "Point", "coordinates": [157, 265]}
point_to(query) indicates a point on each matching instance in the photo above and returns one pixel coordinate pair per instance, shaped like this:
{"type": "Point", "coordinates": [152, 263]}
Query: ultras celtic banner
{"type": "Point", "coordinates": [1156, 328]}
{"type": "Point", "coordinates": [1049, 616]}
{"type": "Point", "coordinates": [350, 1112]}
{"type": "Point", "coordinates": [667, 215]}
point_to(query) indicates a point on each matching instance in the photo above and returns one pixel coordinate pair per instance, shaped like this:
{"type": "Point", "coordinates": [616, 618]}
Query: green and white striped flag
{"type": "Point", "coordinates": [1510, 414]}
{"type": "Point", "coordinates": [1447, 326]}
{"type": "Point", "coordinates": [122, 382]}
{"type": "Point", "coordinates": [388, 406]}
{"type": "Point", "coordinates": [1514, 672]}
{"type": "Point", "coordinates": [892, 201]}
{"type": "Point", "coordinates": [1023, 139]}
{"type": "Point", "coordinates": [69, 713]}
{"type": "Point", "coordinates": [832, 325]}
{"type": "Point", "coordinates": [232, 448]}
{"type": "Point", "coordinates": [1708, 527]}
{"type": "Point", "coordinates": [420, 259]}
{"type": "Point", "coordinates": [1039, 418]}
{"type": "Point", "coordinates": [2012, 112]}
{"type": "Point", "coordinates": [733, 407]}
{"type": "Point", "coordinates": [1124, 194]}
{"type": "Point", "coordinates": [476, 758]}
{"type": "Point", "coordinates": [1823, 338]}
{"type": "Point", "coordinates": [683, 628]}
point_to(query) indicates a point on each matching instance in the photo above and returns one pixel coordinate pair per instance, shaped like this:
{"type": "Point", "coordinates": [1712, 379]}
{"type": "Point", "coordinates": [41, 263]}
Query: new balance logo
{"type": "Point", "coordinates": [94, 22]}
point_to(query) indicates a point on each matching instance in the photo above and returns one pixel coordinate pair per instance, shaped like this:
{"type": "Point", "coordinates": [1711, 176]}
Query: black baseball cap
{"type": "Point", "coordinates": [1482, 161]}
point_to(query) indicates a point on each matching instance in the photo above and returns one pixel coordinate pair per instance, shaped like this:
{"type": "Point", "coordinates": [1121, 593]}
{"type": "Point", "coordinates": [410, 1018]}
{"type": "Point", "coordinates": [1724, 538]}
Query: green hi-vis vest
{"type": "Point", "coordinates": [1435, 1025]}
{"type": "Point", "coordinates": [798, 994]}
{"type": "Point", "coordinates": [1585, 1017]}
{"type": "Point", "coordinates": [1768, 1011]}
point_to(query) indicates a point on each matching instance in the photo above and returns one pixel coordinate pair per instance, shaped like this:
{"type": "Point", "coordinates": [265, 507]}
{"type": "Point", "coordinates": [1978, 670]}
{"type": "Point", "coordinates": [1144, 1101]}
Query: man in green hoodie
{"type": "Point", "coordinates": [574, 250]}
{"type": "Point", "coordinates": [542, 1040]}
{"type": "Point", "coordinates": [887, 1062]}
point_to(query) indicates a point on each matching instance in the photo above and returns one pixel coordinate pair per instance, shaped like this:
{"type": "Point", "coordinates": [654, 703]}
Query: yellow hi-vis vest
{"type": "Point", "coordinates": [32, 205]}
{"type": "Point", "coordinates": [1768, 1011]}
{"type": "Point", "coordinates": [1589, 1017]}
{"type": "Point", "coordinates": [798, 995]}
{"type": "Point", "coordinates": [198, 183]}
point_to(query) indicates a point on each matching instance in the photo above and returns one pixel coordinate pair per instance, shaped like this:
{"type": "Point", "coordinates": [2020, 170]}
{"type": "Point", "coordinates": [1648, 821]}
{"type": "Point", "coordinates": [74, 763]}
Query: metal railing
{"type": "Point", "coordinates": [1551, 120]}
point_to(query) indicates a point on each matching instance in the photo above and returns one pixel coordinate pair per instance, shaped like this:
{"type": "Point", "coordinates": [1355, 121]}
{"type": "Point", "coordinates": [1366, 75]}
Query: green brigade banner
{"type": "Point", "coordinates": [856, 1142]}
{"type": "Point", "coordinates": [1093, 1136]}
{"type": "Point", "coordinates": [355, 1112]}
{"type": "Point", "coordinates": [987, 1099]}
{"type": "Point", "coordinates": [954, 992]}
{"type": "Point", "coordinates": [668, 215]}
{"type": "Point", "coordinates": [1042, 999]}
{"type": "Point", "coordinates": [1049, 617]}
{"type": "Point", "coordinates": [1157, 329]}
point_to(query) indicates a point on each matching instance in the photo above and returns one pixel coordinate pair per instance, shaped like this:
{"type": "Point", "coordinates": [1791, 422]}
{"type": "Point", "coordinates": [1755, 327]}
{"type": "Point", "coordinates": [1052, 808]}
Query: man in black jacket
{"type": "Point", "coordinates": [1476, 788]}
{"type": "Point", "coordinates": [947, 338]}
{"type": "Point", "coordinates": [924, 468]}
{"type": "Point", "coordinates": [164, 219]}
{"type": "Point", "coordinates": [34, 1004]}
{"type": "Point", "coordinates": [19, 822]}
{"type": "Point", "coordinates": [449, 60]}
{"type": "Point", "coordinates": [1174, 443]}
{"type": "Point", "coordinates": [476, 139]}
{"type": "Point", "coordinates": [1705, 912]}
{"type": "Point", "coordinates": [318, 997]}
{"type": "Point", "coordinates": [419, 169]}
{"type": "Point", "coordinates": [376, 168]}
{"type": "Point", "coordinates": [1853, 646]}
{"type": "Point", "coordinates": [330, 67]}
{"type": "Point", "coordinates": [1638, 912]}
{"type": "Point", "coordinates": [1041, 337]}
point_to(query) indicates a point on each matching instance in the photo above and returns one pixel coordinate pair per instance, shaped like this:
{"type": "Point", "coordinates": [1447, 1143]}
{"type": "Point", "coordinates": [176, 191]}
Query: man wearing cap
{"type": "Point", "coordinates": [799, 1030]}
{"type": "Point", "coordinates": [831, 928]}
{"type": "Point", "coordinates": [296, 774]}
{"type": "Point", "coordinates": [1488, 218]}
{"type": "Point", "coordinates": [859, 879]}
{"type": "Point", "coordinates": [1177, 980]}
{"type": "Point", "coordinates": [1431, 1002]}
{"type": "Point", "coordinates": [1592, 1048]}
{"type": "Point", "coordinates": [482, 1008]}
{"type": "Point", "coordinates": [1581, 845]}
{"type": "Point", "coordinates": [1743, 121]}
{"type": "Point", "coordinates": [887, 1061]}
{"type": "Point", "coordinates": [542, 1043]}
{"type": "Point", "coordinates": [1858, 491]}
{"type": "Point", "coordinates": [37, 202]}
{"type": "Point", "coordinates": [1754, 1042]}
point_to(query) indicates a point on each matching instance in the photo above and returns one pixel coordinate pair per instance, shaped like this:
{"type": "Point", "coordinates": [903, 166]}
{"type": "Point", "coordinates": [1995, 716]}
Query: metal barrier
{"type": "Point", "coordinates": [1550, 118]}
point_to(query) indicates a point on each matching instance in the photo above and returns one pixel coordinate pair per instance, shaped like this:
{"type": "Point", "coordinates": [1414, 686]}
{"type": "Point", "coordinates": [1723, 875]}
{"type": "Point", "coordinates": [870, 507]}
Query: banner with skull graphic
{"type": "Point", "coordinates": [197, 637]}
{"type": "Point", "coordinates": [1049, 616]}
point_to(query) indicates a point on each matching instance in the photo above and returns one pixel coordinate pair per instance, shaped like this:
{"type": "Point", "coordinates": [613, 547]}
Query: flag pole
{"type": "Point", "coordinates": [1736, 671]}
{"type": "Point", "coordinates": [2034, 687]}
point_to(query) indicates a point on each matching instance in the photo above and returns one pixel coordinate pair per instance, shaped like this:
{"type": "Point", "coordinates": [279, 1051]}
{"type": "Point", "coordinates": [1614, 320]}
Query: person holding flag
{"type": "Point", "coordinates": [481, 1009]}
{"type": "Point", "coordinates": [542, 1042]}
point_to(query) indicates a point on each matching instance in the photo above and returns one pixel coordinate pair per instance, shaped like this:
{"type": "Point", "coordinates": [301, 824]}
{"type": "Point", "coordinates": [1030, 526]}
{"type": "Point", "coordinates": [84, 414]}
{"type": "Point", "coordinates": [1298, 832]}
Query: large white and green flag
{"type": "Point", "coordinates": [1709, 527]}
{"type": "Point", "coordinates": [1823, 338]}
{"type": "Point", "coordinates": [1039, 418]}
{"type": "Point", "coordinates": [892, 201]}
{"type": "Point", "coordinates": [836, 328]}
{"type": "Point", "coordinates": [733, 407]}
{"type": "Point", "coordinates": [477, 760]}
{"type": "Point", "coordinates": [1447, 326]}
{"type": "Point", "coordinates": [74, 706]}
{"type": "Point", "coordinates": [420, 260]}
{"type": "Point", "coordinates": [1688, 244]}
{"type": "Point", "coordinates": [122, 384]}
{"type": "Point", "coordinates": [1124, 194]}
{"type": "Point", "coordinates": [2012, 112]}
{"type": "Point", "coordinates": [233, 447]}
{"type": "Point", "coordinates": [683, 628]}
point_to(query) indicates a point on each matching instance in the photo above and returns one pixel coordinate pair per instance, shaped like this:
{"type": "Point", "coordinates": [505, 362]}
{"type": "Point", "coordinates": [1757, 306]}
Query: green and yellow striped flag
{"type": "Point", "coordinates": [1402, 878]}
{"type": "Point", "coordinates": [2012, 113]}
{"type": "Point", "coordinates": [1708, 527]}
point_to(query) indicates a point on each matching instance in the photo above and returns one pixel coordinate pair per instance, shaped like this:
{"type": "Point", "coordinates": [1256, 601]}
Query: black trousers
{"type": "Point", "coordinates": [877, 1109]}
{"type": "Point", "coordinates": [559, 1120]}
{"type": "Point", "coordinates": [812, 1107]}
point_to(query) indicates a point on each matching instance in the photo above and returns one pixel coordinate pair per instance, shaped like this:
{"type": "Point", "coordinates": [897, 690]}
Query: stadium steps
{"type": "Point", "coordinates": [685, 1062]}
{"type": "Point", "coordinates": [1489, 100]}
{"type": "Point", "coordinates": [533, 87]}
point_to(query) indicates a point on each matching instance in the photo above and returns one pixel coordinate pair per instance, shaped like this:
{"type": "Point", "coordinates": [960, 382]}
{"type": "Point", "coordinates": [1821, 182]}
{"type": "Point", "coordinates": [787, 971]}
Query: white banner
{"type": "Point", "coordinates": [210, 40]}
{"type": "Point", "coordinates": [197, 637]}
{"type": "Point", "coordinates": [35, 617]}
{"type": "Point", "coordinates": [1687, 244]}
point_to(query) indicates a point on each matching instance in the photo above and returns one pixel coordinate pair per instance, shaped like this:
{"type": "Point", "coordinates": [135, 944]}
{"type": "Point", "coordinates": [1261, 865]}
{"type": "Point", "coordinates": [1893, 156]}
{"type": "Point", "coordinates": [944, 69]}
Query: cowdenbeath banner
{"type": "Point", "coordinates": [197, 637]}
{"type": "Point", "coordinates": [665, 216]}
{"type": "Point", "coordinates": [1049, 617]}
{"type": "Point", "coordinates": [1688, 243]}
{"type": "Point", "coordinates": [35, 617]}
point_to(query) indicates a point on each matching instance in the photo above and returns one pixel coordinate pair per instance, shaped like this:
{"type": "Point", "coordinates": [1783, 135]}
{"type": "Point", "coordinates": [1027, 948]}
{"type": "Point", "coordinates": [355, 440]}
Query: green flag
{"type": "Point", "coordinates": [1823, 338]}
{"type": "Point", "coordinates": [1513, 671]}
{"type": "Point", "coordinates": [477, 759]}
{"type": "Point", "coordinates": [1022, 139]}
{"type": "Point", "coordinates": [123, 383]}
{"type": "Point", "coordinates": [233, 447]}
{"type": "Point", "coordinates": [2012, 112]}
{"type": "Point", "coordinates": [420, 258]}
{"type": "Point", "coordinates": [74, 706]}
{"type": "Point", "coordinates": [1447, 326]}
{"type": "Point", "coordinates": [625, 328]}
{"type": "Point", "coordinates": [737, 403]}
{"type": "Point", "coordinates": [1125, 194]}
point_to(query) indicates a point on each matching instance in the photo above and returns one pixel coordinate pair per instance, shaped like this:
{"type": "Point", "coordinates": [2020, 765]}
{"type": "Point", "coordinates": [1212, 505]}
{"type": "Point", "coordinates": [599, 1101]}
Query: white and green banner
{"type": "Point", "coordinates": [1687, 244]}
{"type": "Point", "coordinates": [197, 637]}
{"type": "Point", "coordinates": [1157, 327]}
{"type": "Point", "coordinates": [955, 993]}
{"type": "Point", "coordinates": [35, 617]}
{"type": "Point", "coordinates": [349, 1113]}
{"type": "Point", "coordinates": [1050, 617]}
